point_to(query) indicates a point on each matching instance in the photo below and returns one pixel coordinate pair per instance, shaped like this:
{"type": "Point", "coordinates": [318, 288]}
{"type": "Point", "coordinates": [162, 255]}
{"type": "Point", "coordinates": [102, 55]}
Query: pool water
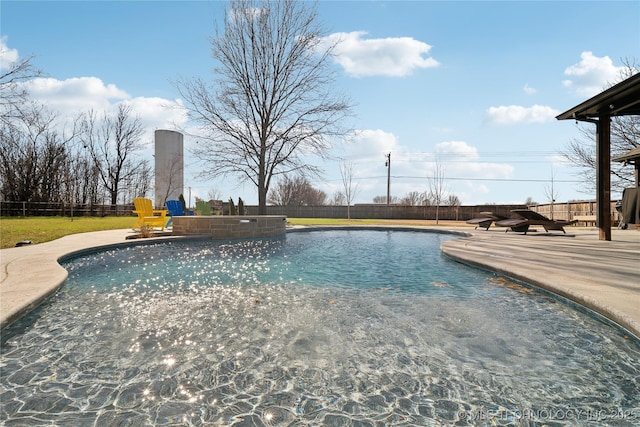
{"type": "Point", "coordinates": [342, 328]}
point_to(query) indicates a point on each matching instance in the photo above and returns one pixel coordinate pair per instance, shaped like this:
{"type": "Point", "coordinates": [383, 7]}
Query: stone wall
{"type": "Point", "coordinates": [230, 227]}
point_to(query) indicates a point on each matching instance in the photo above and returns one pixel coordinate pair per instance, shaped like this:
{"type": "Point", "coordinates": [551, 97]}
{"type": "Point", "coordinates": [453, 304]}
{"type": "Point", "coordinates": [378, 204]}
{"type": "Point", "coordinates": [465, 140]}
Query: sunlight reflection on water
{"type": "Point", "coordinates": [334, 327]}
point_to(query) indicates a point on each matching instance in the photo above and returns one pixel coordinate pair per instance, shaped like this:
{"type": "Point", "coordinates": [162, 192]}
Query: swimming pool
{"type": "Point", "coordinates": [318, 328]}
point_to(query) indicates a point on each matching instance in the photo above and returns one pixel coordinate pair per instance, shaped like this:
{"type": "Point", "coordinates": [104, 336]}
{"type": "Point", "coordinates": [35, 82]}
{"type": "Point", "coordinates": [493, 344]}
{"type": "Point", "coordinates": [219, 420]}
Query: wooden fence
{"type": "Point", "coordinates": [573, 210]}
{"type": "Point", "coordinates": [62, 209]}
{"type": "Point", "coordinates": [568, 210]}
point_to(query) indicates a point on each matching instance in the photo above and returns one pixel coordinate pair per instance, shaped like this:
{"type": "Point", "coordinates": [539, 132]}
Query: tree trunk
{"type": "Point", "coordinates": [262, 191]}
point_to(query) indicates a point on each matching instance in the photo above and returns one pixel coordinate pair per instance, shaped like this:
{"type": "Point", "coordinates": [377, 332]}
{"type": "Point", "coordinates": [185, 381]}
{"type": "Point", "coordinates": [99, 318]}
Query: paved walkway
{"type": "Point", "coordinates": [601, 275]}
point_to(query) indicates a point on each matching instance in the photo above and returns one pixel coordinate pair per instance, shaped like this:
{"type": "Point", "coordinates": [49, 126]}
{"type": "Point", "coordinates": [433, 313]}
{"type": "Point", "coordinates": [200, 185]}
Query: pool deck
{"type": "Point", "coordinates": [603, 276]}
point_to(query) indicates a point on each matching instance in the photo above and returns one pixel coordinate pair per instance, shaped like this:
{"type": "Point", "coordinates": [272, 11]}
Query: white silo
{"type": "Point", "coordinates": [169, 166]}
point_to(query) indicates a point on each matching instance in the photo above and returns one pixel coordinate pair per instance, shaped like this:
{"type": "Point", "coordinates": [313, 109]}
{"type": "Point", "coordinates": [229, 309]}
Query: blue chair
{"type": "Point", "coordinates": [175, 208]}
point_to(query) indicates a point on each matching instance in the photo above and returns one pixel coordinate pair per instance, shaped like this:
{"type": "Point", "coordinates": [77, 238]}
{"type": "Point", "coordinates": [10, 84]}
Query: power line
{"type": "Point", "coordinates": [469, 179]}
{"type": "Point", "coordinates": [518, 156]}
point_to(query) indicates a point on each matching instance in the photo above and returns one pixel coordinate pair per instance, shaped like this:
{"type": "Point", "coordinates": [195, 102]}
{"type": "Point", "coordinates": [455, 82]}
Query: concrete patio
{"type": "Point", "coordinates": [603, 276]}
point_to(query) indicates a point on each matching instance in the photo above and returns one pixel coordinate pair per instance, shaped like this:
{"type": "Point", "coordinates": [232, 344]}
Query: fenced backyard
{"type": "Point", "coordinates": [25, 209]}
{"type": "Point", "coordinates": [584, 211]}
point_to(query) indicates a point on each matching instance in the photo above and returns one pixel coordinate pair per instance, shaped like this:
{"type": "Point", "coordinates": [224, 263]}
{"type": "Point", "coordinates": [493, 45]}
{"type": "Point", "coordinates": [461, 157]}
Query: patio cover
{"type": "Point", "coordinates": [622, 99]}
{"type": "Point", "coordinates": [631, 157]}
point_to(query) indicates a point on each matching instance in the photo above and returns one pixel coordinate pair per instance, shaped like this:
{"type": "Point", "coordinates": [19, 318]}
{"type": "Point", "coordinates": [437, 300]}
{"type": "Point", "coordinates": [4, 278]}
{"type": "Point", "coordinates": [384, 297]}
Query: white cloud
{"type": "Point", "coordinates": [591, 75]}
{"type": "Point", "coordinates": [475, 189]}
{"type": "Point", "coordinates": [461, 162]}
{"type": "Point", "coordinates": [159, 113]}
{"type": "Point", "coordinates": [459, 149]}
{"type": "Point", "coordinates": [560, 161]}
{"type": "Point", "coordinates": [78, 94]}
{"type": "Point", "coordinates": [370, 144]}
{"type": "Point", "coordinates": [480, 170]}
{"type": "Point", "coordinates": [529, 90]}
{"type": "Point", "coordinates": [392, 56]}
{"type": "Point", "coordinates": [71, 97]}
{"type": "Point", "coordinates": [246, 14]}
{"type": "Point", "coordinates": [511, 114]}
{"type": "Point", "coordinates": [7, 56]}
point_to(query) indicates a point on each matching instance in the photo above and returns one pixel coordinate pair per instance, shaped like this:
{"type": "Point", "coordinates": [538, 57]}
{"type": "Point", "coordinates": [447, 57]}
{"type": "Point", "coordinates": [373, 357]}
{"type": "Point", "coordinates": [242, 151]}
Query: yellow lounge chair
{"type": "Point", "coordinates": [147, 215]}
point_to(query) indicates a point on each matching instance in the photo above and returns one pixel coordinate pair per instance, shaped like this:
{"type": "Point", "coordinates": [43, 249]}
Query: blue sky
{"type": "Point", "coordinates": [476, 85]}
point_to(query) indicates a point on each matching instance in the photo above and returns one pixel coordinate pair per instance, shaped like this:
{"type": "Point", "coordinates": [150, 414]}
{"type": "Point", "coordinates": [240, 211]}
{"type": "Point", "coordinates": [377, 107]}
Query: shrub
{"type": "Point", "coordinates": [146, 231]}
{"type": "Point", "coordinates": [241, 209]}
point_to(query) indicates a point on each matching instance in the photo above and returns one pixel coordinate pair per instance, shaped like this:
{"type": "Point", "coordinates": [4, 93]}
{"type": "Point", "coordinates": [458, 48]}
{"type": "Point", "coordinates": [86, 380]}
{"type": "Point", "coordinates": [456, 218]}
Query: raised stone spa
{"type": "Point", "coordinates": [230, 226]}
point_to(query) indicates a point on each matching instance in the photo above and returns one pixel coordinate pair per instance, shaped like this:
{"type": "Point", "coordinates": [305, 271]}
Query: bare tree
{"type": "Point", "coordinates": [296, 192]}
{"type": "Point", "coordinates": [214, 194]}
{"type": "Point", "coordinates": [84, 176]}
{"type": "Point", "coordinates": [625, 136]}
{"type": "Point", "coordinates": [454, 202]}
{"type": "Point", "coordinates": [383, 200]}
{"type": "Point", "coordinates": [314, 197]}
{"type": "Point", "coordinates": [271, 104]}
{"type": "Point", "coordinates": [437, 186]}
{"type": "Point", "coordinates": [13, 94]}
{"type": "Point", "coordinates": [551, 193]}
{"type": "Point", "coordinates": [112, 144]}
{"type": "Point", "coordinates": [413, 198]}
{"type": "Point", "coordinates": [350, 188]}
{"type": "Point", "coordinates": [284, 192]}
{"type": "Point", "coordinates": [136, 181]}
{"type": "Point", "coordinates": [33, 155]}
{"type": "Point", "coordinates": [338, 199]}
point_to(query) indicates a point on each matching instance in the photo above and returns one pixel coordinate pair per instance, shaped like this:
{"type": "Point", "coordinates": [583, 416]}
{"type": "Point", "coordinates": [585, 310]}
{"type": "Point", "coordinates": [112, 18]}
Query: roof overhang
{"type": "Point", "coordinates": [622, 99]}
{"type": "Point", "coordinates": [629, 156]}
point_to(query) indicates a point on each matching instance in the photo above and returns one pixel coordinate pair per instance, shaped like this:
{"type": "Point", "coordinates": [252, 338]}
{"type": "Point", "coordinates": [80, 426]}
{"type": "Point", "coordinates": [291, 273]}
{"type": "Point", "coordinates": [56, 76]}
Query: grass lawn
{"type": "Point", "coordinates": [44, 229]}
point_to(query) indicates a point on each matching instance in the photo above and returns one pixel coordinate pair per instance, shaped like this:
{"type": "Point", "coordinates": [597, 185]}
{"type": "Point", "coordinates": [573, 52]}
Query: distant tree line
{"type": "Point", "coordinates": [90, 161]}
{"type": "Point", "coordinates": [298, 191]}
{"type": "Point", "coordinates": [419, 198]}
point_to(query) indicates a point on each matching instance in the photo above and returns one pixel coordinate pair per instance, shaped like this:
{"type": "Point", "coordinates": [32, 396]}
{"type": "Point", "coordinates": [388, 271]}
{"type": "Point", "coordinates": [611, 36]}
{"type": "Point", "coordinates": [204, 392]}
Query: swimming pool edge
{"type": "Point", "coordinates": [31, 274]}
{"type": "Point", "coordinates": [564, 286]}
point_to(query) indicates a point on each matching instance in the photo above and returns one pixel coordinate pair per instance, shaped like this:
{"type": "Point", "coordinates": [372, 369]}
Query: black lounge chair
{"type": "Point", "coordinates": [519, 225]}
{"type": "Point", "coordinates": [528, 218]}
{"type": "Point", "coordinates": [485, 220]}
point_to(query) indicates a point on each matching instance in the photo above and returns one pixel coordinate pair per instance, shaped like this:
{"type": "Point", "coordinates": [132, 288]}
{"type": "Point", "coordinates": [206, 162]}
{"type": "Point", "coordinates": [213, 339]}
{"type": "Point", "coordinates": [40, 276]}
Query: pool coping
{"type": "Point", "coordinates": [601, 276]}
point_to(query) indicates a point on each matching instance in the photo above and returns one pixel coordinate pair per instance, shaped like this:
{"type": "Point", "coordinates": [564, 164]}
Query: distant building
{"type": "Point", "coordinates": [169, 166]}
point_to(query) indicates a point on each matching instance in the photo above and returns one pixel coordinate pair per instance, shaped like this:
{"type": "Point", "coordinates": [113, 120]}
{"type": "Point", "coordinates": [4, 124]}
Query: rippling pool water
{"type": "Point", "coordinates": [357, 328]}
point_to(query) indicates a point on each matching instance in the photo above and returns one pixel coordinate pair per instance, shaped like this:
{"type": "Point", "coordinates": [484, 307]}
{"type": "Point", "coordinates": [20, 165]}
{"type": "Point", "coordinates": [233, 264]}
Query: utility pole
{"type": "Point", "coordinates": [388, 165]}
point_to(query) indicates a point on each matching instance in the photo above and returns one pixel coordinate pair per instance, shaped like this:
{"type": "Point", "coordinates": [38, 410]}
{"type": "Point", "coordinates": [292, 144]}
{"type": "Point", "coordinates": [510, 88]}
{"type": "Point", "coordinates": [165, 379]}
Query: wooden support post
{"type": "Point", "coordinates": [603, 177]}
